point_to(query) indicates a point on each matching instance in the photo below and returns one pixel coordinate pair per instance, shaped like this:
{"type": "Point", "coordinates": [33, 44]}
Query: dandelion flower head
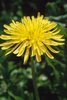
{"type": "Point", "coordinates": [33, 36]}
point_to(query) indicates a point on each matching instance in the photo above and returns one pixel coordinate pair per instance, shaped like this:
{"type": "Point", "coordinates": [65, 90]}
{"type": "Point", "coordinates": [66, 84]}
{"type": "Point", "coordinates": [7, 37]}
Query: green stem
{"type": "Point", "coordinates": [34, 81]}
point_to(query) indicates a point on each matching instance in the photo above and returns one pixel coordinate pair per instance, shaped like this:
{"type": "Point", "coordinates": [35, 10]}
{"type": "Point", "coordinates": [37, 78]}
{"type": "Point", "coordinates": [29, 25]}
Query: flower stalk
{"type": "Point", "coordinates": [34, 81]}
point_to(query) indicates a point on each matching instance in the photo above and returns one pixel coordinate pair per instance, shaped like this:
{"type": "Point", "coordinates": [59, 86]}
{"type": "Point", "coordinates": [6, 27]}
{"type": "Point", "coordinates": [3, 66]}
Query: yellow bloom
{"type": "Point", "coordinates": [31, 37]}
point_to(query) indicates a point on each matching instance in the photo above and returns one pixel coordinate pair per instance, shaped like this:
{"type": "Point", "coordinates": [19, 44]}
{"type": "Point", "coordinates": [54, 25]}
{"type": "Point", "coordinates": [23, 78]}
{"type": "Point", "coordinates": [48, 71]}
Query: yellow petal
{"type": "Point", "coordinates": [6, 43]}
{"type": "Point", "coordinates": [52, 50]}
{"type": "Point", "coordinates": [26, 56]}
{"type": "Point", "coordinates": [7, 26]}
{"type": "Point", "coordinates": [52, 43]}
{"type": "Point", "coordinates": [50, 26]}
{"type": "Point", "coordinates": [55, 32]}
{"type": "Point", "coordinates": [5, 37]}
{"type": "Point", "coordinates": [6, 47]}
{"type": "Point", "coordinates": [49, 54]}
{"type": "Point", "coordinates": [18, 49]}
{"type": "Point", "coordinates": [58, 37]}
{"type": "Point", "coordinates": [38, 58]}
{"type": "Point", "coordinates": [45, 50]}
{"type": "Point", "coordinates": [21, 48]}
{"type": "Point", "coordinates": [33, 51]}
{"type": "Point", "coordinates": [12, 49]}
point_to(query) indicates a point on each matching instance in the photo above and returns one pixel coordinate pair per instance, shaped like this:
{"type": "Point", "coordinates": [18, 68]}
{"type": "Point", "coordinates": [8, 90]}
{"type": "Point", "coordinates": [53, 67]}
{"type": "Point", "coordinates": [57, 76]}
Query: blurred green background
{"type": "Point", "coordinates": [16, 78]}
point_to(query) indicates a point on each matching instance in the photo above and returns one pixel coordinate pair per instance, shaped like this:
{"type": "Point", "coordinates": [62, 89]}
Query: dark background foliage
{"type": "Point", "coordinates": [16, 78]}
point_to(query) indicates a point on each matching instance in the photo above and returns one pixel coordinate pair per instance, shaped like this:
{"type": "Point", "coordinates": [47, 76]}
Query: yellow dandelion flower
{"type": "Point", "coordinates": [31, 37]}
